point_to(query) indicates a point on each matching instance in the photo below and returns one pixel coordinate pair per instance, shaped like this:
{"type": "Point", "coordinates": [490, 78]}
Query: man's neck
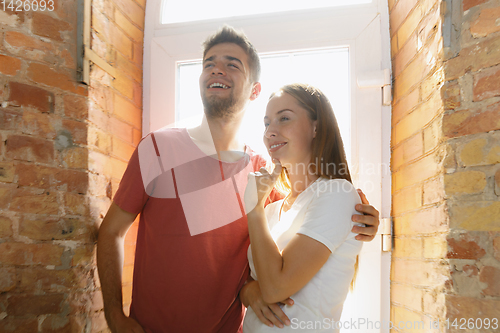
{"type": "Point", "coordinates": [218, 137]}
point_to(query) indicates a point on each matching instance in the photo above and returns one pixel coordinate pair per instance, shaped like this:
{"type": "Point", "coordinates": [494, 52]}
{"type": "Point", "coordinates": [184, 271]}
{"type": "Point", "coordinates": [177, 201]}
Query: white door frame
{"type": "Point", "coordinates": [364, 29]}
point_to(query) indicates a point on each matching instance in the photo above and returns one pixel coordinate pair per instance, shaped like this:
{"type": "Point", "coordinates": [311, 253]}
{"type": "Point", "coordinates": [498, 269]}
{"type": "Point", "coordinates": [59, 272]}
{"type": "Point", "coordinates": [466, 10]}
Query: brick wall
{"type": "Point", "coordinates": [64, 146]}
{"type": "Point", "coordinates": [471, 126]}
{"type": "Point", "coordinates": [419, 273]}
{"type": "Point", "coordinates": [445, 155]}
{"type": "Point", "coordinates": [115, 108]}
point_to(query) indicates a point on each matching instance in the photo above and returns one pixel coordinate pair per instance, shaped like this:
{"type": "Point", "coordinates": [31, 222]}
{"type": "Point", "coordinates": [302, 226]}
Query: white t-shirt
{"type": "Point", "coordinates": [323, 212]}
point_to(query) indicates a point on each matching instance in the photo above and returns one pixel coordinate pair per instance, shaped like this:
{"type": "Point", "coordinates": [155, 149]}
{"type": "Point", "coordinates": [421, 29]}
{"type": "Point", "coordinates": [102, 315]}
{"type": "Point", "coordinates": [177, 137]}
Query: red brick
{"type": "Point", "coordinates": [121, 129]}
{"type": "Point", "coordinates": [76, 204]}
{"type": "Point", "coordinates": [5, 227]}
{"type": "Point", "coordinates": [490, 275]}
{"type": "Point", "coordinates": [7, 278]}
{"type": "Point", "coordinates": [7, 172]}
{"type": "Point", "coordinates": [486, 23]}
{"type": "Point", "coordinates": [9, 65]}
{"type": "Point", "coordinates": [33, 175]}
{"type": "Point", "coordinates": [27, 148]}
{"type": "Point", "coordinates": [405, 106]}
{"type": "Point", "coordinates": [75, 158]}
{"type": "Point", "coordinates": [399, 13]}
{"type": "Point", "coordinates": [31, 96]}
{"type": "Point", "coordinates": [6, 192]}
{"type": "Point", "coordinates": [487, 83]}
{"type": "Point", "coordinates": [468, 4]}
{"type": "Point", "coordinates": [40, 124]}
{"type": "Point", "coordinates": [132, 11]}
{"type": "Point", "coordinates": [128, 27]}
{"type": "Point", "coordinates": [28, 47]}
{"type": "Point", "coordinates": [30, 254]}
{"type": "Point", "coordinates": [53, 228]}
{"type": "Point", "coordinates": [464, 248]}
{"type": "Point", "coordinates": [137, 93]}
{"type": "Point", "coordinates": [102, 95]}
{"type": "Point", "coordinates": [473, 58]}
{"type": "Point", "coordinates": [47, 26]}
{"type": "Point", "coordinates": [128, 112]}
{"type": "Point", "coordinates": [12, 17]}
{"type": "Point", "coordinates": [44, 74]}
{"type": "Point", "coordinates": [68, 58]}
{"type": "Point", "coordinates": [122, 150]}
{"type": "Point", "coordinates": [451, 95]}
{"type": "Point", "coordinates": [10, 118]}
{"type": "Point", "coordinates": [19, 324]}
{"type": "Point", "coordinates": [71, 181]}
{"type": "Point", "coordinates": [129, 67]}
{"type": "Point", "coordinates": [137, 136]}
{"type": "Point", "coordinates": [76, 107]}
{"type": "Point", "coordinates": [468, 307]}
{"type": "Point", "coordinates": [112, 34]}
{"type": "Point", "coordinates": [57, 324]}
{"type": "Point", "coordinates": [496, 248]}
{"type": "Point", "coordinates": [35, 202]}
{"type": "Point", "coordinates": [39, 279]}
{"type": "Point", "coordinates": [467, 122]}
{"type": "Point", "coordinates": [138, 53]}
{"type": "Point", "coordinates": [77, 129]}
{"type": "Point", "coordinates": [21, 305]}
{"type": "Point", "coordinates": [84, 255]}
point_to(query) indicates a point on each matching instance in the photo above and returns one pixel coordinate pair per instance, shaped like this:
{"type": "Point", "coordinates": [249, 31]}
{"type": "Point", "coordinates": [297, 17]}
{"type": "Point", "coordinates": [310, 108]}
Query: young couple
{"type": "Point", "coordinates": [203, 197]}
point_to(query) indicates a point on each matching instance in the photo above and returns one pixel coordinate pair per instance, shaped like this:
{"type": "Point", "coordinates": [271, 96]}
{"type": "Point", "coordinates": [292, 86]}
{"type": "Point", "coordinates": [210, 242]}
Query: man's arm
{"type": "Point", "coordinates": [370, 218]}
{"type": "Point", "coordinates": [110, 253]}
{"type": "Point", "coordinates": [269, 314]}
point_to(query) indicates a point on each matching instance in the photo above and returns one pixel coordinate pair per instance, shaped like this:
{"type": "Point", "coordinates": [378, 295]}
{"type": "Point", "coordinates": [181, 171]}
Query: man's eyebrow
{"type": "Point", "coordinates": [266, 117]}
{"type": "Point", "coordinates": [233, 58]}
{"type": "Point", "coordinates": [209, 59]}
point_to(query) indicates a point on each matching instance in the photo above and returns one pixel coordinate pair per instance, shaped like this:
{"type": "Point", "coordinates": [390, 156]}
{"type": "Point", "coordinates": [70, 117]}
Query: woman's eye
{"type": "Point", "coordinates": [284, 118]}
{"type": "Point", "coordinates": [266, 125]}
{"type": "Point", "coordinates": [233, 65]}
{"type": "Point", "coordinates": [208, 65]}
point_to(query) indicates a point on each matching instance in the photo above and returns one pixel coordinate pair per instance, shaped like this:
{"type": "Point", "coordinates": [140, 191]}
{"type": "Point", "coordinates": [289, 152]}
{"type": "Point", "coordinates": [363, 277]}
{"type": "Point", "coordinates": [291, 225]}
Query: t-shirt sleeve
{"type": "Point", "coordinates": [131, 195]}
{"type": "Point", "coordinates": [328, 216]}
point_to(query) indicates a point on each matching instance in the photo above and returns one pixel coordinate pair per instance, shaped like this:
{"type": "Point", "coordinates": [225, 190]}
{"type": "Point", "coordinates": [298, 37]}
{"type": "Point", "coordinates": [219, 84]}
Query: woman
{"type": "Point", "coordinates": [302, 246]}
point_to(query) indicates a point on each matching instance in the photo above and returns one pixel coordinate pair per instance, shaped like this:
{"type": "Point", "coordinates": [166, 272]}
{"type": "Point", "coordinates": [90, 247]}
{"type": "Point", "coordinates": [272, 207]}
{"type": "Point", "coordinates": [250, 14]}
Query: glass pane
{"type": "Point", "coordinates": [175, 11]}
{"type": "Point", "coordinates": [327, 70]}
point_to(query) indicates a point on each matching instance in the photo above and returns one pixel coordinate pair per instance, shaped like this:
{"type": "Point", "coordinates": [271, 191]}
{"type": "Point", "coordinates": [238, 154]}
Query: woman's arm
{"type": "Point", "coordinates": [283, 274]}
{"type": "Point", "coordinates": [270, 314]}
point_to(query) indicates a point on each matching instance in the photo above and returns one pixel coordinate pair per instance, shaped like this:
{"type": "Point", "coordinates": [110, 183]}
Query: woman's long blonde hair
{"type": "Point", "coordinates": [328, 159]}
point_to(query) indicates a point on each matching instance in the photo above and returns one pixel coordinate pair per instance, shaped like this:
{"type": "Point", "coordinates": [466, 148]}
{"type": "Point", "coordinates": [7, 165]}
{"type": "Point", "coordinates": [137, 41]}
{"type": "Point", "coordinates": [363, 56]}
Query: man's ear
{"type": "Point", "coordinates": [255, 91]}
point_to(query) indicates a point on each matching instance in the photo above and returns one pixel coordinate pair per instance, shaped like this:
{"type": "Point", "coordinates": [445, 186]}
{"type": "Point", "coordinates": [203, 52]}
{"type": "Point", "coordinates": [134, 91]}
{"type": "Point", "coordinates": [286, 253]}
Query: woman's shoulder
{"type": "Point", "coordinates": [337, 185]}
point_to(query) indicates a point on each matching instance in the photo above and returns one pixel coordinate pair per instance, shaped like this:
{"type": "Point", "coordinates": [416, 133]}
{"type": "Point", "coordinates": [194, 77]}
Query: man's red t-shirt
{"type": "Point", "coordinates": [191, 255]}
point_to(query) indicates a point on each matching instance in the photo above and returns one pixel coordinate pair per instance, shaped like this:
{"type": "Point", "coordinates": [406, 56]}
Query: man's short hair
{"type": "Point", "coordinates": [227, 34]}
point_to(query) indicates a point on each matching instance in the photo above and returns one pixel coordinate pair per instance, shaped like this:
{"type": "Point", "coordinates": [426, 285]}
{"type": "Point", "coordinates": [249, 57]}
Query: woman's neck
{"type": "Point", "coordinates": [299, 181]}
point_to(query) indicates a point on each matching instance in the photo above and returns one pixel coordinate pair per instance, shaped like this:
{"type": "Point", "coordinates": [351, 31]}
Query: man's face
{"type": "Point", "coordinates": [225, 85]}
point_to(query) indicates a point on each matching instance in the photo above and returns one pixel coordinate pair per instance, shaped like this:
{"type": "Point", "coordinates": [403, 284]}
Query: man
{"type": "Point", "coordinates": [190, 264]}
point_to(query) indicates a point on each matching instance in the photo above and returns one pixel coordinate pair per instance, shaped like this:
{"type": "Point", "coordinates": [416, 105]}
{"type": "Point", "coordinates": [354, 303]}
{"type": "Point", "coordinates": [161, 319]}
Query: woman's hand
{"type": "Point", "coordinates": [370, 218]}
{"type": "Point", "coordinates": [260, 184]}
{"type": "Point", "coordinates": [269, 314]}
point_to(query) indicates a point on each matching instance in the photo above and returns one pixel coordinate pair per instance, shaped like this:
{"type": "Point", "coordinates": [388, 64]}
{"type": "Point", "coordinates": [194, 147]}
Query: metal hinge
{"type": "Point", "coordinates": [385, 229]}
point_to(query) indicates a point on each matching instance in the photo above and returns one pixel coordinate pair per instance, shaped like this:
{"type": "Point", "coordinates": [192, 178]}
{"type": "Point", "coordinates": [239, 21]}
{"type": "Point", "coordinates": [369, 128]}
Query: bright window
{"type": "Point", "coordinates": [176, 11]}
{"type": "Point", "coordinates": [327, 70]}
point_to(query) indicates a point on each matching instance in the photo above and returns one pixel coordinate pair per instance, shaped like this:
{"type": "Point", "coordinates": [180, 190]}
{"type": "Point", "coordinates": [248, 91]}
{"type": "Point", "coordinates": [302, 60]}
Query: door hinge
{"type": "Point", "coordinates": [375, 79]}
{"type": "Point", "coordinates": [386, 233]}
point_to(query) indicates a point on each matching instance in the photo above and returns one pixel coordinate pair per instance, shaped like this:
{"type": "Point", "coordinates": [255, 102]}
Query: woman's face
{"type": "Point", "coordinates": [289, 131]}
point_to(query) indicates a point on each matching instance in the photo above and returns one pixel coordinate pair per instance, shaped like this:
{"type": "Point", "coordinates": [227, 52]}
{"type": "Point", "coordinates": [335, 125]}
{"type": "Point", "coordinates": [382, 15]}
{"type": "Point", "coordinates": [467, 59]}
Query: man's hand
{"type": "Point", "coordinates": [370, 218]}
{"type": "Point", "coordinates": [269, 314]}
{"type": "Point", "coordinates": [124, 324]}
